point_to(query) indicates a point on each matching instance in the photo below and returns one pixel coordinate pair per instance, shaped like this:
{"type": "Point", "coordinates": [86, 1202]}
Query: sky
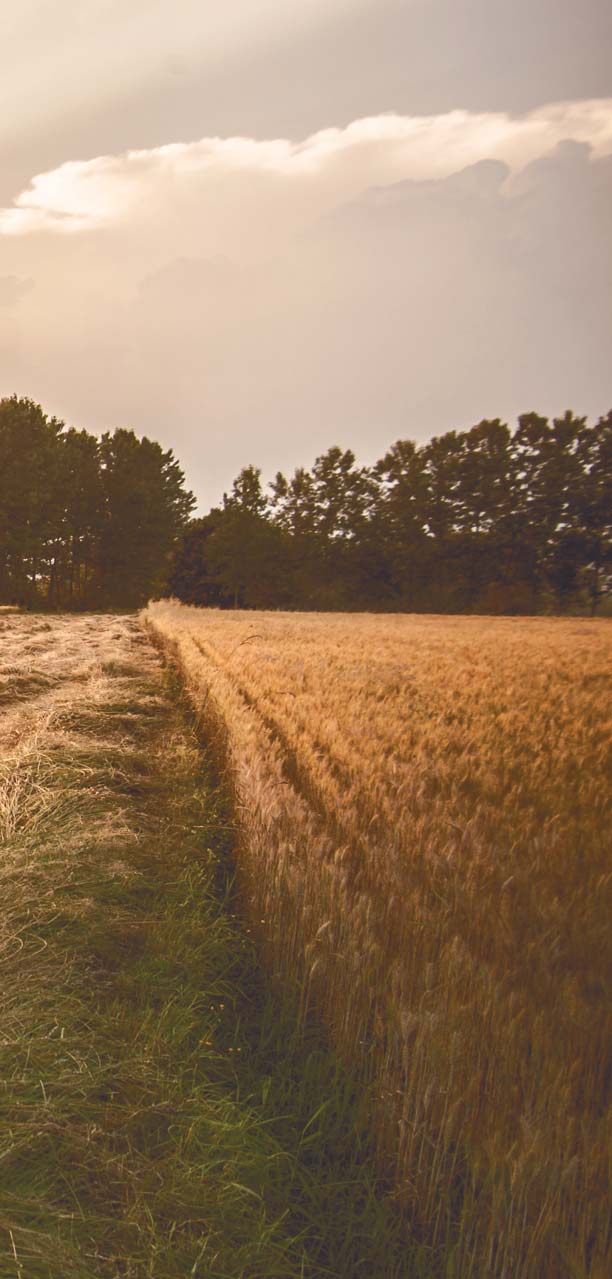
{"type": "Point", "coordinates": [255, 230]}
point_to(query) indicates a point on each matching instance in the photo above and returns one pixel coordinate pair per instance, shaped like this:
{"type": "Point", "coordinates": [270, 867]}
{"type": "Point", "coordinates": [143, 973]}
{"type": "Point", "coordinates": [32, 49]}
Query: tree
{"type": "Point", "coordinates": [293, 506]}
{"type": "Point", "coordinates": [31, 499]}
{"type": "Point", "coordinates": [484, 550]}
{"type": "Point", "coordinates": [146, 507]}
{"type": "Point", "coordinates": [547, 469]}
{"type": "Point", "coordinates": [247, 494]}
{"type": "Point", "coordinates": [343, 494]}
{"type": "Point", "coordinates": [191, 577]}
{"type": "Point", "coordinates": [293, 503]}
{"type": "Point", "coordinates": [247, 556]}
{"type": "Point", "coordinates": [399, 525]}
{"type": "Point", "coordinates": [327, 511]}
{"type": "Point", "coordinates": [484, 492]}
{"type": "Point", "coordinates": [72, 581]}
{"type": "Point", "coordinates": [83, 522]}
{"type": "Point", "coordinates": [482, 519]}
{"type": "Point", "coordinates": [592, 507]}
{"type": "Point", "coordinates": [247, 553]}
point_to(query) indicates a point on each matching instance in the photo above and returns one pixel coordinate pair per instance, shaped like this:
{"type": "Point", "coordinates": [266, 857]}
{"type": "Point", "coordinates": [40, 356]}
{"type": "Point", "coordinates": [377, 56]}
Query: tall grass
{"type": "Point", "coordinates": [158, 1119]}
{"type": "Point", "coordinates": [425, 857]}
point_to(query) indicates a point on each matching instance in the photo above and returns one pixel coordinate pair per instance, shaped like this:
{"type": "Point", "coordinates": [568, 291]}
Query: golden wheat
{"type": "Point", "coordinates": [424, 852]}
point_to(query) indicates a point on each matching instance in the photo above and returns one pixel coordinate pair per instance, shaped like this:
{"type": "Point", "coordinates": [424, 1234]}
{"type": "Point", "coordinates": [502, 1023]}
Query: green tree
{"type": "Point", "coordinates": [343, 496]}
{"type": "Point", "coordinates": [293, 503]}
{"type": "Point", "coordinates": [592, 508]}
{"type": "Point", "coordinates": [547, 470]}
{"type": "Point", "coordinates": [146, 507]}
{"type": "Point", "coordinates": [247, 553]}
{"type": "Point", "coordinates": [191, 577]}
{"type": "Point", "coordinates": [247, 494]}
{"type": "Point", "coordinates": [72, 580]}
{"type": "Point", "coordinates": [329, 511]}
{"type": "Point", "coordinates": [31, 499]}
{"type": "Point", "coordinates": [247, 556]}
{"type": "Point", "coordinates": [293, 507]}
{"type": "Point", "coordinates": [399, 526]}
{"type": "Point", "coordinates": [484, 549]}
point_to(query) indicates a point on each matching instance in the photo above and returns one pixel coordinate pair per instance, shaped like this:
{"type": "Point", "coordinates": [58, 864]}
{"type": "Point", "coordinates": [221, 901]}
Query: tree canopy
{"type": "Point", "coordinates": [489, 519]}
{"type": "Point", "coordinates": [84, 522]}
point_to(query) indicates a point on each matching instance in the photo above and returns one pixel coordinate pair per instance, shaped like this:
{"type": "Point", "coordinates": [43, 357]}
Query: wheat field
{"type": "Point", "coordinates": [424, 855]}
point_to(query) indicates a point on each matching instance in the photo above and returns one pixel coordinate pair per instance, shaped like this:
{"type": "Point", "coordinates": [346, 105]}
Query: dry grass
{"type": "Point", "coordinates": [425, 848]}
{"type": "Point", "coordinates": [157, 1121]}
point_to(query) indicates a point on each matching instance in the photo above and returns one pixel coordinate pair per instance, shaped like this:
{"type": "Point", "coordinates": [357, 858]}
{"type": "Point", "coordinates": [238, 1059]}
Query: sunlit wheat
{"type": "Point", "coordinates": [424, 854]}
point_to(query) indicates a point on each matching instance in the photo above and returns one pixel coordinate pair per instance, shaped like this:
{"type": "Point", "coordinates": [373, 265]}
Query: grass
{"type": "Point", "coordinates": [425, 858]}
{"type": "Point", "coordinates": [161, 1113]}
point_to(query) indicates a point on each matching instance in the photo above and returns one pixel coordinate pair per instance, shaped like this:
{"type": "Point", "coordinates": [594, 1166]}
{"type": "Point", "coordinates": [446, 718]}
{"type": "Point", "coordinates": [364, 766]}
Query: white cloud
{"type": "Point", "coordinates": [244, 300]}
{"type": "Point", "coordinates": [300, 180]}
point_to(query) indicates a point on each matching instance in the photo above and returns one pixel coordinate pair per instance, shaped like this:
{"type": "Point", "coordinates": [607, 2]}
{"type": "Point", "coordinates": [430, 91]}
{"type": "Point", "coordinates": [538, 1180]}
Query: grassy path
{"type": "Point", "coordinates": [157, 1117]}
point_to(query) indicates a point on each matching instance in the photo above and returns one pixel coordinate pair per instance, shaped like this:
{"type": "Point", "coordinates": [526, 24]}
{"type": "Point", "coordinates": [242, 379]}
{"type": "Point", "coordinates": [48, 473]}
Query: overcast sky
{"type": "Point", "coordinates": [257, 229]}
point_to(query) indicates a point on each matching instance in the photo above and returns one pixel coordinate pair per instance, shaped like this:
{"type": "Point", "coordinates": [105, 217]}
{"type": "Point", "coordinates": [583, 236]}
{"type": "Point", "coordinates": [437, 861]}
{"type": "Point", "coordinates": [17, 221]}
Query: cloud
{"type": "Point", "coordinates": [245, 300]}
{"type": "Point", "coordinates": [91, 77]}
{"type": "Point", "coordinates": [299, 178]}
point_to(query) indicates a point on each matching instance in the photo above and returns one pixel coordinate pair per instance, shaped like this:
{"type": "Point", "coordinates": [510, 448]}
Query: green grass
{"type": "Point", "coordinates": [160, 1113]}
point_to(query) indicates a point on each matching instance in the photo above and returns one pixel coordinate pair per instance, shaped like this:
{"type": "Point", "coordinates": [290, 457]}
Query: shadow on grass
{"type": "Point", "coordinates": [164, 1115]}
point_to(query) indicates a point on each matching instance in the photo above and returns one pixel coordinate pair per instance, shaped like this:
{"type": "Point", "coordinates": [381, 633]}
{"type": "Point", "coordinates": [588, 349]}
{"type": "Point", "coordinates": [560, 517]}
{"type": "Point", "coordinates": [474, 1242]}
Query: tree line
{"type": "Point", "coordinates": [489, 520]}
{"type": "Point", "coordinates": [85, 522]}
